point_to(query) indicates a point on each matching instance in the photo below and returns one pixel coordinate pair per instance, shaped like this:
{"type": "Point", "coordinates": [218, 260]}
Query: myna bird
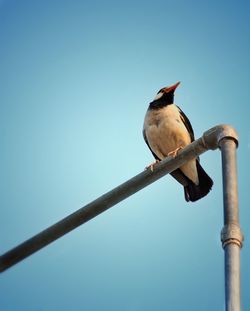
{"type": "Point", "coordinates": [166, 130]}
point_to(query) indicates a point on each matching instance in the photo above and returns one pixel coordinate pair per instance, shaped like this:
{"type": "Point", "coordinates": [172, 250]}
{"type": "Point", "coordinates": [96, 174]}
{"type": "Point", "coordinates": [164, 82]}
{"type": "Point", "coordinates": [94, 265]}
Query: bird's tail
{"type": "Point", "coordinates": [195, 192]}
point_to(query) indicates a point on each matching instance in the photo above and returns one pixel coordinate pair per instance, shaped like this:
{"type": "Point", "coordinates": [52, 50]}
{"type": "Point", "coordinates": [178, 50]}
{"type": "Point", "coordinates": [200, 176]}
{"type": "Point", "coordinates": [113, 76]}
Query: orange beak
{"type": "Point", "coordinates": [171, 88]}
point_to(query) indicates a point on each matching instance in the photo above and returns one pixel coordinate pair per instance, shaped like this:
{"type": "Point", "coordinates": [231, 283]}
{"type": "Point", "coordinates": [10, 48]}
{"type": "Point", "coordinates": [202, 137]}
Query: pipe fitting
{"type": "Point", "coordinates": [231, 233]}
{"type": "Point", "coordinates": [212, 138]}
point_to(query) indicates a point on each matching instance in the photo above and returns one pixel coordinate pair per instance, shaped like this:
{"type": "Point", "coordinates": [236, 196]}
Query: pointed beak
{"type": "Point", "coordinates": [171, 88]}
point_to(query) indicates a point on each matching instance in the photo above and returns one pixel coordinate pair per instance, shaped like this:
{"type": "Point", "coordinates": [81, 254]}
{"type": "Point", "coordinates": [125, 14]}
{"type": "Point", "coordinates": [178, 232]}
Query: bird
{"type": "Point", "coordinates": [166, 130]}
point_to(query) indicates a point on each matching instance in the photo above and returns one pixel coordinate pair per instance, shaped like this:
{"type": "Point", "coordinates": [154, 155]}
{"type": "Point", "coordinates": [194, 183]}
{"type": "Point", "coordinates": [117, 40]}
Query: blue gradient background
{"type": "Point", "coordinates": [76, 78]}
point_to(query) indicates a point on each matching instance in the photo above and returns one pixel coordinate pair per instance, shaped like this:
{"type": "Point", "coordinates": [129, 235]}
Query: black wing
{"type": "Point", "coordinates": [187, 124]}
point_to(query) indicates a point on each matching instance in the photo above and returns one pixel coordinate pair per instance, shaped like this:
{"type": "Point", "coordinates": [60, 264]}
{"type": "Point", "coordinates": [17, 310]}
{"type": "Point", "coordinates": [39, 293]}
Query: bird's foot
{"type": "Point", "coordinates": [174, 153]}
{"type": "Point", "coordinates": [151, 166]}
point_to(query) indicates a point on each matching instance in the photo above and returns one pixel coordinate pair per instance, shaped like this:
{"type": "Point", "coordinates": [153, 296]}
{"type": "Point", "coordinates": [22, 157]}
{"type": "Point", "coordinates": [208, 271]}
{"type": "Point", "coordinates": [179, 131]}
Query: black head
{"type": "Point", "coordinates": [164, 97]}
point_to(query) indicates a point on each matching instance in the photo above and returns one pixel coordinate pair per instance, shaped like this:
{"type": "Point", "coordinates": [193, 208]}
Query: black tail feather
{"type": "Point", "coordinates": [194, 192]}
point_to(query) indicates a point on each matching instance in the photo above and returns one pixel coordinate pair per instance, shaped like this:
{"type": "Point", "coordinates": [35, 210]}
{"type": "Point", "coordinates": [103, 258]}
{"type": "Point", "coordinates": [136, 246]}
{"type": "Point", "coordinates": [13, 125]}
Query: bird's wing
{"type": "Point", "coordinates": [187, 124]}
{"type": "Point", "coordinates": [146, 140]}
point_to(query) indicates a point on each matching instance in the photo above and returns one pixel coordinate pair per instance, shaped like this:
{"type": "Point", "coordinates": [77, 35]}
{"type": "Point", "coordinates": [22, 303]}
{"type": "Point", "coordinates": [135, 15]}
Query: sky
{"type": "Point", "coordinates": [76, 79]}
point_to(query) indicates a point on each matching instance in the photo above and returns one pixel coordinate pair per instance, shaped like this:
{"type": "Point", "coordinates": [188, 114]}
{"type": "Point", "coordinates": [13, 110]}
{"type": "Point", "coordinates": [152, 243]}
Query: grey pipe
{"type": "Point", "coordinates": [231, 235]}
{"type": "Point", "coordinates": [222, 136]}
{"type": "Point", "coordinates": [99, 205]}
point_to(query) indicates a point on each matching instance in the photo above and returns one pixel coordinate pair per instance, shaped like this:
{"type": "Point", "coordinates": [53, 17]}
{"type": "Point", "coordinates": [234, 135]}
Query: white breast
{"type": "Point", "coordinates": [166, 132]}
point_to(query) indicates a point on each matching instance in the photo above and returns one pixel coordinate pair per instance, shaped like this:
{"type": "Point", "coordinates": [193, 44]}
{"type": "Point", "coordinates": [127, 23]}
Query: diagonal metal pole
{"type": "Point", "coordinates": [231, 235]}
{"type": "Point", "coordinates": [100, 205]}
{"type": "Point", "coordinates": [223, 136]}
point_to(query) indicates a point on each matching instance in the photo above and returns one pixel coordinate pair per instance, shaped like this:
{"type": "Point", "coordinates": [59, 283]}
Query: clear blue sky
{"type": "Point", "coordinates": [76, 78]}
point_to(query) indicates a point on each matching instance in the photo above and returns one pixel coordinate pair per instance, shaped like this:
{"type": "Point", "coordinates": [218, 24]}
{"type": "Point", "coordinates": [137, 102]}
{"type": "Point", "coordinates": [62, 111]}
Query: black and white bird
{"type": "Point", "coordinates": [166, 130]}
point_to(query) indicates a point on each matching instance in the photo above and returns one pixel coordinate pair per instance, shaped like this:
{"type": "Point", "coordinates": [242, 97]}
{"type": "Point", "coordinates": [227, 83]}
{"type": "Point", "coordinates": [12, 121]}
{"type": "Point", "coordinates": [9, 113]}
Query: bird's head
{"type": "Point", "coordinates": [167, 92]}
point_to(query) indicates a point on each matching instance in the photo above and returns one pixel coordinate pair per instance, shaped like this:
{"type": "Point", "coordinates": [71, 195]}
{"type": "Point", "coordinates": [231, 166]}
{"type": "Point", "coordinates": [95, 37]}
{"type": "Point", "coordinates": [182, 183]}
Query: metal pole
{"type": "Point", "coordinates": [231, 235]}
{"type": "Point", "coordinates": [99, 205]}
{"type": "Point", "coordinates": [209, 140]}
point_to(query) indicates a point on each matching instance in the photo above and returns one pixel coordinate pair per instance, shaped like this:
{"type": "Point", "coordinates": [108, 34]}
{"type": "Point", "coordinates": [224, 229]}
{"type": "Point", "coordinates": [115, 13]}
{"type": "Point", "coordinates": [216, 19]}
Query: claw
{"type": "Point", "coordinates": [151, 166]}
{"type": "Point", "coordinates": [174, 153]}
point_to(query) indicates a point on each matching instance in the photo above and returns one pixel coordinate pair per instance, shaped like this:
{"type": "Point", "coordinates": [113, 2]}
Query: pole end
{"type": "Point", "coordinates": [215, 135]}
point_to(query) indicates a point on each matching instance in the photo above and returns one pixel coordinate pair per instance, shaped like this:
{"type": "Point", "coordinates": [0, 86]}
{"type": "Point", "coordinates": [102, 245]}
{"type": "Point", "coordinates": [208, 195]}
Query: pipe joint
{"type": "Point", "coordinates": [231, 233]}
{"type": "Point", "coordinates": [213, 137]}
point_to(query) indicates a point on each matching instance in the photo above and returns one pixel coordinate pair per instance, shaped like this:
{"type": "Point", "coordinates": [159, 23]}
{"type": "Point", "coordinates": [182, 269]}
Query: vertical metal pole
{"type": "Point", "coordinates": [231, 235]}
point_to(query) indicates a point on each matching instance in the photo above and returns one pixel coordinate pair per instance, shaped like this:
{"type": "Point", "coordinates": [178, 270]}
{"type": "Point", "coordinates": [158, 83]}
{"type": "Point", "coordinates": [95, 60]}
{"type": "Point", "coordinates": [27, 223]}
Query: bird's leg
{"type": "Point", "coordinates": [174, 153]}
{"type": "Point", "coordinates": [151, 166]}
